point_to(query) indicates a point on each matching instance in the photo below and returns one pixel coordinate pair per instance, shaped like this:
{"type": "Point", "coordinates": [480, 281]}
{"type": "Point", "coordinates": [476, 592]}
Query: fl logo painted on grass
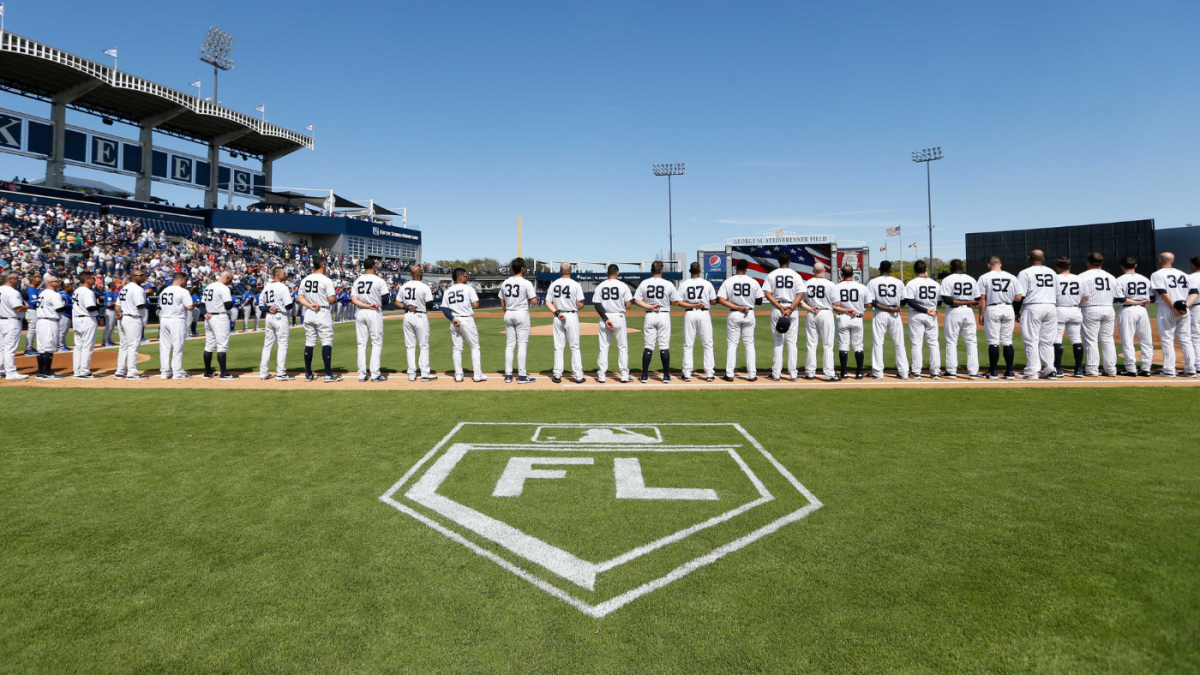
{"type": "Point", "coordinates": [599, 515]}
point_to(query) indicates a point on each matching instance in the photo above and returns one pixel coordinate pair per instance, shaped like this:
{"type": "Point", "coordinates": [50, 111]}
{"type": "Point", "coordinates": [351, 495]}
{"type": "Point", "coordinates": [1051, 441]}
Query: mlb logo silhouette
{"type": "Point", "coordinates": [598, 515]}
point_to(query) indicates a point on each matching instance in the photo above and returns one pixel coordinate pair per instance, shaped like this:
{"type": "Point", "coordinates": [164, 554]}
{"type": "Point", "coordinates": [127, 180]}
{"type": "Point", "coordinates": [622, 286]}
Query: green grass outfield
{"type": "Point", "coordinates": [245, 349]}
{"type": "Point", "coordinates": [1027, 530]}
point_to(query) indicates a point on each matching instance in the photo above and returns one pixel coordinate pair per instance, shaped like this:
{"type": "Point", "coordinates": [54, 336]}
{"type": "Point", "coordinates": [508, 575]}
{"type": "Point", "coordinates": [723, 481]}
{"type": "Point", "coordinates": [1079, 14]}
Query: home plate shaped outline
{"type": "Point", "coordinates": [597, 438]}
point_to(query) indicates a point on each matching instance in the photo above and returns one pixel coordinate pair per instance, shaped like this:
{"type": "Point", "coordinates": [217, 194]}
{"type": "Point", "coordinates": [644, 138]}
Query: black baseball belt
{"type": "Point", "coordinates": [697, 309]}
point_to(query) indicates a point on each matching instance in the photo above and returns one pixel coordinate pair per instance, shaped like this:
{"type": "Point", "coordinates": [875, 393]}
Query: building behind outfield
{"type": "Point", "coordinates": [1115, 240]}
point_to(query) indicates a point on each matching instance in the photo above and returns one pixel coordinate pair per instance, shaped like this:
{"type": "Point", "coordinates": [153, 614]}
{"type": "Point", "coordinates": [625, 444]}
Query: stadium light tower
{"type": "Point", "coordinates": [928, 155]}
{"type": "Point", "coordinates": [669, 170]}
{"type": "Point", "coordinates": [218, 45]}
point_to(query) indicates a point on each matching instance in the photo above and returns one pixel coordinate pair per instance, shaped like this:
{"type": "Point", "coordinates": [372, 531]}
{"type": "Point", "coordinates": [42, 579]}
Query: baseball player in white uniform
{"type": "Point", "coordinates": [740, 293]}
{"type": "Point", "coordinates": [922, 296]}
{"type": "Point", "coordinates": [1036, 291]}
{"type": "Point", "coordinates": [960, 296]}
{"type": "Point", "coordinates": [697, 296]}
{"type": "Point", "coordinates": [459, 304]}
{"type": "Point", "coordinates": [174, 309]}
{"type": "Point", "coordinates": [656, 295]}
{"type": "Point", "coordinates": [1099, 289]}
{"type": "Point", "coordinates": [416, 298]}
{"type": "Point", "coordinates": [564, 298]}
{"type": "Point", "coordinates": [1133, 321]}
{"type": "Point", "coordinates": [850, 303]}
{"type": "Point", "coordinates": [277, 303]}
{"type": "Point", "coordinates": [12, 306]}
{"type": "Point", "coordinates": [50, 307]}
{"type": "Point", "coordinates": [1194, 308]}
{"type": "Point", "coordinates": [516, 294]}
{"type": "Point", "coordinates": [317, 293]}
{"type": "Point", "coordinates": [1171, 288]}
{"type": "Point", "coordinates": [820, 324]}
{"type": "Point", "coordinates": [783, 289]}
{"type": "Point", "coordinates": [1067, 308]}
{"type": "Point", "coordinates": [85, 309]}
{"type": "Point", "coordinates": [369, 294]}
{"type": "Point", "coordinates": [886, 294]}
{"type": "Point", "coordinates": [996, 290]}
{"type": "Point", "coordinates": [218, 303]}
{"type": "Point", "coordinates": [612, 299]}
{"type": "Point", "coordinates": [110, 316]}
{"type": "Point", "coordinates": [65, 318]}
{"type": "Point", "coordinates": [130, 303]}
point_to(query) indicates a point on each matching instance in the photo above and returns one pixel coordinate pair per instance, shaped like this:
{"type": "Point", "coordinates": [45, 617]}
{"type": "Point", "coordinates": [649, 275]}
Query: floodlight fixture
{"type": "Point", "coordinates": [218, 45]}
{"type": "Point", "coordinates": [669, 170]}
{"type": "Point", "coordinates": [926, 156]}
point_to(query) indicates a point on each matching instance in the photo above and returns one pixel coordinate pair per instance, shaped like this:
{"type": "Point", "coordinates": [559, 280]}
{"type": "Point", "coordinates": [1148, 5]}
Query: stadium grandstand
{"type": "Point", "coordinates": [286, 226]}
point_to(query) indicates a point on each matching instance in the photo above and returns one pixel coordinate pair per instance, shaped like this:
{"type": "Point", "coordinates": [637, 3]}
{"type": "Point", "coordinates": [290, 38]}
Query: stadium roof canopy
{"type": "Point", "coordinates": [296, 198]}
{"type": "Point", "coordinates": [33, 69]}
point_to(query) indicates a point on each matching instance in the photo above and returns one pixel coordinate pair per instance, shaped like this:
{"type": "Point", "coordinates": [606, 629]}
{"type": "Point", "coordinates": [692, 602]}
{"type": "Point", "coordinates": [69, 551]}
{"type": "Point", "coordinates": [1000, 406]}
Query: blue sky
{"type": "Point", "coordinates": [793, 115]}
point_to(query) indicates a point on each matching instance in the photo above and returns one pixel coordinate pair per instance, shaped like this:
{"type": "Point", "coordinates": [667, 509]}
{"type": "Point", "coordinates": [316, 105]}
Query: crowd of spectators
{"type": "Point", "coordinates": [35, 240]}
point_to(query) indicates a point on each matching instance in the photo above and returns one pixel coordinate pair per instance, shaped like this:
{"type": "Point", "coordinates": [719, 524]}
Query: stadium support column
{"type": "Point", "coordinates": [213, 191]}
{"type": "Point", "coordinates": [55, 163]}
{"type": "Point", "coordinates": [141, 190]}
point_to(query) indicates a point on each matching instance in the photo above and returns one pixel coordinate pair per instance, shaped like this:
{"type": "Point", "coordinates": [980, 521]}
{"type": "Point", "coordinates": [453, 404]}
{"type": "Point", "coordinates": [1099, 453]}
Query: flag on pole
{"type": "Point", "coordinates": [1, 9]}
{"type": "Point", "coordinates": [111, 52]}
{"type": "Point", "coordinates": [261, 108]}
{"type": "Point", "coordinates": [308, 128]}
{"type": "Point", "coordinates": [883, 249]}
{"type": "Point", "coordinates": [913, 245]}
{"type": "Point", "coordinates": [893, 231]}
{"type": "Point", "coordinates": [195, 84]}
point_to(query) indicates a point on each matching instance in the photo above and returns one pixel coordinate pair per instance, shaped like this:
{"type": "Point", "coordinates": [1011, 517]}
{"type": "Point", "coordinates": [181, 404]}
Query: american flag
{"type": "Point", "coordinates": [762, 260]}
{"type": "Point", "coordinates": [893, 231]}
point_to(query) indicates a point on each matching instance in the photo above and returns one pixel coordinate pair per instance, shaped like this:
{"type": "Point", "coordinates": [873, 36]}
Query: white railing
{"type": "Point", "coordinates": [16, 44]}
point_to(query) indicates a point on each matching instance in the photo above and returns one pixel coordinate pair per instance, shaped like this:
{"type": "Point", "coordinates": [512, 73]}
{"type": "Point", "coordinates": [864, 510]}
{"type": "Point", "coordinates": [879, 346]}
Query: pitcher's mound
{"type": "Point", "coordinates": [585, 328]}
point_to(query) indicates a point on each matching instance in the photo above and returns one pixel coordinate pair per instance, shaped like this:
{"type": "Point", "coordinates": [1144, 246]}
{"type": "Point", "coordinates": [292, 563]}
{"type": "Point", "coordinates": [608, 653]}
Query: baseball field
{"type": "Point", "coordinates": [651, 529]}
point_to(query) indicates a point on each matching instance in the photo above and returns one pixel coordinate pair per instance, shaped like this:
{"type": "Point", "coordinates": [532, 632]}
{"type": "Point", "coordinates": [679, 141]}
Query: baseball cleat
{"type": "Point", "coordinates": [972, 376]}
{"type": "Point", "coordinates": [412, 377]}
{"type": "Point", "coordinates": [17, 376]}
{"type": "Point", "coordinates": [507, 379]}
{"type": "Point", "coordinates": [136, 377]}
{"type": "Point", "coordinates": [43, 376]}
{"type": "Point", "coordinates": [600, 380]}
{"type": "Point", "coordinates": [1010, 375]}
{"type": "Point", "coordinates": [1059, 373]}
{"type": "Point", "coordinates": [580, 380]}
{"type": "Point", "coordinates": [333, 378]}
{"type": "Point", "coordinates": [950, 374]}
{"type": "Point", "coordinates": [458, 378]}
{"type": "Point", "coordinates": [809, 377]}
{"type": "Point", "coordinates": [1143, 373]}
{"type": "Point", "coordinates": [364, 379]}
{"type": "Point", "coordinates": [1193, 375]}
{"type": "Point", "coordinates": [1077, 374]}
{"type": "Point", "coordinates": [525, 379]}
{"type": "Point", "coordinates": [774, 377]}
{"type": "Point", "coordinates": [308, 377]}
{"type": "Point", "coordinates": [643, 379]}
{"type": "Point", "coordinates": [480, 378]}
{"type": "Point", "coordinates": [556, 379]}
{"type": "Point", "coordinates": [229, 376]}
{"type": "Point", "coordinates": [916, 376]}
{"type": "Point", "coordinates": [934, 376]}
{"type": "Point", "coordinates": [264, 376]}
{"type": "Point", "coordinates": [165, 376]}
{"type": "Point", "coordinates": [685, 378]}
{"type": "Point", "coordinates": [208, 375]}
{"type": "Point", "coordinates": [85, 376]}
{"type": "Point", "coordinates": [752, 378]}
{"type": "Point", "coordinates": [859, 376]}
{"type": "Point", "coordinates": [728, 378]}
{"type": "Point", "coordinates": [379, 378]}
{"type": "Point", "coordinates": [428, 378]}
{"type": "Point", "coordinates": [1167, 374]}
{"type": "Point", "coordinates": [710, 378]}
{"type": "Point", "coordinates": [284, 377]}
{"type": "Point", "coordinates": [666, 379]}
{"type": "Point", "coordinates": [903, 376]}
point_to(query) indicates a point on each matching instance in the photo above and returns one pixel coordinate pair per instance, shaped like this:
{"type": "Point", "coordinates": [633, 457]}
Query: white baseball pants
{"type": "Point", "coordinates": [849, 333]}
{"type": "Point", "coordinates": [1194, 318]}
{"type": "Point", "coordinates": [85, 344]}
{"type": "Point", "coordinates": [657, 330]}
{"type": "Point", "coordinates": [884, 325]}
{"type": "Point", "coordinates": [368, 327]}
{"type": "Point", "coordinates": [565, 332]}
{"type": "Point", "coordinates": [47, 335]}
{"type": "Point", "coordinates": [998, 324]}
{"type": "Point", "coordinates": [1038, 323]}
{"type": "Point", "coordinates": [10, 336]}
{"type": "Point", "coordinates": [172, 333]}
{"type": "Point", "coordinates": [1070, 321]}
{"type": "Point", "coordinates": [698, 323]}
{"type": "Point", "coordinates": [819, 327]}
{"type": "Point", "coordinates": [465, 332]}
{"type": "Point", "coordinates": [216, 333]}
{"type": "Point", "coordinates": [791, 338]}
{"type": "Point", "coordinates": [1098, 324]}
{"type": "Point", "coordinates": [1134, 322]}
{"type": "Point", "coordinates": [416, 335]}
{"type": "Point", "coordinates": [516, 339]}
{"type": "Point", "coordinates": [960, 322]}
{"type": "Point", "coordinates": [131, 340]}
{"type": "Point", "coordinates": [739, 327]}
{"type": "Point", "coordinates": [318, 325]}
{"type": "Point", "coordinates": [619, 335]}
{"type": "Point", "coordinates": [1172, 326]}
{"type": "Point", "coordinates": [923, 332]}
{"type": "Point", "coordinates": [277, 335]}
